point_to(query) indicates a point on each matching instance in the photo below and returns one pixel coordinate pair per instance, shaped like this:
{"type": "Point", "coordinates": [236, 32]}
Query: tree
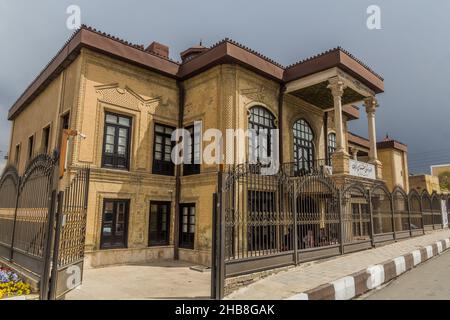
{"type": "Point", "coordinates": [444, 180]}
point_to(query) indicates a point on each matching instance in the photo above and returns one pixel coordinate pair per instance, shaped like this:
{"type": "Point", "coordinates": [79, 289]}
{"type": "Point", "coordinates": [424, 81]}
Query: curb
{"type": "Point", "coordinates": [374, 276]}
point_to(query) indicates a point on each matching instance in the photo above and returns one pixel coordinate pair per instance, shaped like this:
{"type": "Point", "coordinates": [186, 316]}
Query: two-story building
{"type": "Point", "coordinates": [126, 100]}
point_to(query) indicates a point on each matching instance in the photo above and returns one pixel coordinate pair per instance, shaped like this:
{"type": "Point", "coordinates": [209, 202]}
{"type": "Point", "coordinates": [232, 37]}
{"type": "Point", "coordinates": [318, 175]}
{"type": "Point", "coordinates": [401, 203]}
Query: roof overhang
{"type": "Point", "coordinates": [99, 42]}
{"type": "Point", "coordinates": [359, 141]}
{"type": "Point", "coordinates": [392, 144]}
{"type": "Point", "coordinates": [307, 79]}
{"type": "Point", "coordinates": [336, 58]}
{"type": "Point", "coordinates": [314, 88]}
{"type": "Point", "coordinates": [230, 52]}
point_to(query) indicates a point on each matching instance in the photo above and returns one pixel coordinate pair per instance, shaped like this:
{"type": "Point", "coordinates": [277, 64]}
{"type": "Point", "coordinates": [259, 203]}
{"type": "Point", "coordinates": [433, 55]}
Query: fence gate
{"type": "Point", "coordinates": [68, 255]}
{"type": "Point", "coordinates": [41, 229]}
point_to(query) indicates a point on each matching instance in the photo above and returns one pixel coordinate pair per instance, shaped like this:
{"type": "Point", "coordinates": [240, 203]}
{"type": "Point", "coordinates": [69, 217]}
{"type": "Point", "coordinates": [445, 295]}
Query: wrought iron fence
{"type": "Point", "coordinates": [28, 209]}
{"type": "Point", "coordinates": [25, 205]}
{"type": "Point", "coordinates": [289, 217]}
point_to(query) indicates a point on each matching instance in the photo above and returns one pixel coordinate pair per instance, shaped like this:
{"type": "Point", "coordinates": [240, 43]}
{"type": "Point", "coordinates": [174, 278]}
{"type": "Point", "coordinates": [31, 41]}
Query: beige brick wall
{"type": "Point", "coordinates": [220, 97]}
{"type": "Point", "coordinates": [57, 99]}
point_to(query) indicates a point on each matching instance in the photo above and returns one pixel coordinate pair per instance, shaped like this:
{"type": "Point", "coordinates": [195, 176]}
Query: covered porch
{"type": "Point", "coordinates": [333, 82]}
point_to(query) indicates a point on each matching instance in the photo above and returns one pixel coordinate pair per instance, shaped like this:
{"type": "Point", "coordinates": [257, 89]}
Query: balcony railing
{"type": "Point", "coordinates": [305, 168]}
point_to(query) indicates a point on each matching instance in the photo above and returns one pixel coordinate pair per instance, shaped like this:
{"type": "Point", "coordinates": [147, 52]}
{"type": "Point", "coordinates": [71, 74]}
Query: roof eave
{"type": "Point", "coordinates": [85, 38]}
{"type": "Point", "coordinates": [331, 59]}
{"type": "Point", "coordinates": [227, 52]}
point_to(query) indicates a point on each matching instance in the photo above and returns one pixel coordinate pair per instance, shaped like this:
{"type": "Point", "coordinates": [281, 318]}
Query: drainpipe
{"type": "Point", "coordinates": [280, 122]}
{"type": "Point", "coordinates": [176, 236]}
{"type": "Point", "coordinates": [325, 131]}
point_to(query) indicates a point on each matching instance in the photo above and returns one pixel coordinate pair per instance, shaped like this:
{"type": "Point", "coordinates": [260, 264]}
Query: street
{"type": "Point", "coordinates": [429, 281]}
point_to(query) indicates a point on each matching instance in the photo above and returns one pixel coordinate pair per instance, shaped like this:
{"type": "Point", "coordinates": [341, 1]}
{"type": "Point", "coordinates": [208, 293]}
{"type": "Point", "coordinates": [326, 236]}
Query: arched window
{"type": "Point", "coordinates": [303, 146]}
{"type": "Point", "coordinates": [331, 147]}
{"type": "Point", "coordinates": [261, 122]}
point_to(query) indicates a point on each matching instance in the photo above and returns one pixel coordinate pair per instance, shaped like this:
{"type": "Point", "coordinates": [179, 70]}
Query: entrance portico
{"type": "Point", "coordinates": [330, 82]}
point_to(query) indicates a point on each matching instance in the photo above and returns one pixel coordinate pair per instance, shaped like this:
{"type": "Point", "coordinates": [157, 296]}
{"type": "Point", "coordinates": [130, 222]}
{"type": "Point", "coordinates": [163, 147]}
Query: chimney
{"type": "Point", "coordinates": [159, 49]}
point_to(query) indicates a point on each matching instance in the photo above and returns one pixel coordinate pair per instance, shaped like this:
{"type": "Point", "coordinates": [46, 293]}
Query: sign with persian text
{"type": "Point", "coordinates": [362, 169]}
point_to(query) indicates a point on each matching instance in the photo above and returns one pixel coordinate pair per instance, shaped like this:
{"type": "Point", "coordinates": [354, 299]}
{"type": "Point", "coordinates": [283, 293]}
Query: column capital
{"type": "Point", "coordinates": [337, 86]}
{"type": "Point", "coordinates": [371, 104]}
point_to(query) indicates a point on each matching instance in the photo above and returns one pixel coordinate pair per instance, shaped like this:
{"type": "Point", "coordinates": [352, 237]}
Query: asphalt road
{"type": "Point", "coordinates": [429, 281]}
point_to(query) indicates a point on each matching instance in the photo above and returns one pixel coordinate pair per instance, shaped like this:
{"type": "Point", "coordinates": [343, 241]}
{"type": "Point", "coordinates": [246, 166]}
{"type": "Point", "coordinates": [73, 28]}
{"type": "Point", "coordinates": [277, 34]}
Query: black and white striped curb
{"type": "Point", "coordinates": [374, 276]}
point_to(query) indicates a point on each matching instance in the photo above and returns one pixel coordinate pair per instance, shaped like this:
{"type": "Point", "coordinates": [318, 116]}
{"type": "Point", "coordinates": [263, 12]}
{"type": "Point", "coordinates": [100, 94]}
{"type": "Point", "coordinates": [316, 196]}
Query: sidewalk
{"type": "Point", "coordinates": [343, 277]}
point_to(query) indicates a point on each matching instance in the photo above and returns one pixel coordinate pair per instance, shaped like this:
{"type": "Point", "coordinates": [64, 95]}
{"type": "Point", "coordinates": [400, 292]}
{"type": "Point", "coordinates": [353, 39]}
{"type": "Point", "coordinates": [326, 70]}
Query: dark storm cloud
{"type": "Point", "coordinates": [410, 52]}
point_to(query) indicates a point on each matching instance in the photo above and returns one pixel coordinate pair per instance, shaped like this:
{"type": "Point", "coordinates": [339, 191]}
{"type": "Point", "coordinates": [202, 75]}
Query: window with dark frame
{"type": "Point", "coordinates": [187, 226]}
{"type": "Point", "coordinates": [46, 139]}
{"type": "Point", "coordinates": [262, 122]}
{"type": "Point", "coordinates": [162, 152]}
{"type": "Point", "coordinates": [159, 224]}
{"type": "Point", "coordinates": [30, 147]}
{"type": "Point", "coordinates": [303, 147]}
{"type": "Point", "coordinates": [192, 152]}
{"type": "Point", "coordinates": [331, 147]}
{"type": "Point", "coordinates": [114, 231]}
{"type": "Point", "coordinates": [116, 145]}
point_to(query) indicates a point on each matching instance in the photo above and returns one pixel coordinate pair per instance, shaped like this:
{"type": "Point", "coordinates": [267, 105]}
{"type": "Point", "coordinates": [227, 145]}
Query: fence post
{"type": "Point", "coordinates": [341, 224]}
{"type": "Point", "coordinates": [295, 229]}
{"type": "Point", "coordinates": [44, 286]}
{"type": "Point", "coordinates": [421, 212]}
{"type": "Point", "coordinates": [409, 215]}
{"type": "Point", "coordinates": [372, 238]}
{"type": "Point", "coordinates": [58, 223]}
{"type": "Point", "coordinates": [11, 257]}
{"type": "Point", "coordinates": [393, 217]}
{"type": "Point", "coordinates": [45, 279]}
{"type": "Point", "coordinates": [218, 259]}
{"type": "Point", "coordinates": [214, 248]}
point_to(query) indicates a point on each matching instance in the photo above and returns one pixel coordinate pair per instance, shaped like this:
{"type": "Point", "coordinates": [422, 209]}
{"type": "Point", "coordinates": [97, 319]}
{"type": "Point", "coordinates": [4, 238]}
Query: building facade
{"type": "Point", "coordinates": [125, 101]}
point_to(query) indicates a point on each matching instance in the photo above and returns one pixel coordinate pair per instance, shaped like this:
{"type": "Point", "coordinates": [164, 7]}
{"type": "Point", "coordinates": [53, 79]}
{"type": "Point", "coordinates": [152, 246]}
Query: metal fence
{"type": "Point", "coordinates": [25, 205]}
{"type": "Point", "coordinates": [30, 205]}
{"type": "Point", "coordinates": [270, 221]}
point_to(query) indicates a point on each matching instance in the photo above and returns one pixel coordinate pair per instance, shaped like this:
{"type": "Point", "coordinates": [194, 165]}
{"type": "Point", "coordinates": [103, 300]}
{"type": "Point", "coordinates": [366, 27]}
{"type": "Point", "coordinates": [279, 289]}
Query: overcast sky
{"type": "Point", "coordinates": [411, 51]}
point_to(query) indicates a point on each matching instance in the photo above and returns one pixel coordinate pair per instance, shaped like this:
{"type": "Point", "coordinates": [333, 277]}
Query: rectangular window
{"type": "Point", "coordinates": [17, 155]}
{"type": "Point", "coordinates": [187, 226]}
{"type": "Point", "coordinates": [46, 139]}
{"type": "Point", "coordinates": [30, 147]}
{"type": "Point", "coordinates": [193, 152]}
{"type": "Point", "coordinates": [162, 152]}
{"type": "Point", "coordinates": [116, 145]}
{"type": "Point", "coordinates": [115, 224]}
{"type": "Point", "coordinates": [159, 224]}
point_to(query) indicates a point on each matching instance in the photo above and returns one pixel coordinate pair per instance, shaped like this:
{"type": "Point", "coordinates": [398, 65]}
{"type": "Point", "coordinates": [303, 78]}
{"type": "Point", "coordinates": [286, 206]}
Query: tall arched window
{"type": "Point", "coordinates": [331, 147]}
{"type": "Point", "coordinates": [303, 146]}
{"type": "Point", "coordinates": [262, 122]}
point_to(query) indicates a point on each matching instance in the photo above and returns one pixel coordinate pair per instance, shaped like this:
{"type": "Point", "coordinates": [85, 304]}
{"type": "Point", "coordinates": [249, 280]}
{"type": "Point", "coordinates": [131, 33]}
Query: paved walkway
{"type": "Point", "coordinates": [429, 281]}
{"type": "Point", "coordinates": [311, 275]}
{"type": "Point", "coordinates": [163, 280]}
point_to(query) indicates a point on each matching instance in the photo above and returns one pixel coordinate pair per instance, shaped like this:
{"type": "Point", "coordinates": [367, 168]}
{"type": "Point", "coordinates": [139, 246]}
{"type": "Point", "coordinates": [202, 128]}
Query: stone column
{"type": "Point", "coordinates": [354, 153]}
{"type": "Point", "coordinates": [341, 157]}
{"type": "Point", "coordinates": [337, 90]}
{"type": "Point", "coordinates": [371, 104]}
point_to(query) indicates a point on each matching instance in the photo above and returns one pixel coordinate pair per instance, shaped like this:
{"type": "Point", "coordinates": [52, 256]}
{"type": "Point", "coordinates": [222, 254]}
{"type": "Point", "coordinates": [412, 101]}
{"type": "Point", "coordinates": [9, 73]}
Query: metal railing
{"type": "Point", "coordinates": [38, 224]}
{"type": "Point", "coordinates": [293, 216]}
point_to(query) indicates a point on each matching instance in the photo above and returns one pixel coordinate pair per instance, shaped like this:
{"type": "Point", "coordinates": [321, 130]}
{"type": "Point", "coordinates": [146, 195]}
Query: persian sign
{"type": "Point", "coordinates": [362, 169]}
